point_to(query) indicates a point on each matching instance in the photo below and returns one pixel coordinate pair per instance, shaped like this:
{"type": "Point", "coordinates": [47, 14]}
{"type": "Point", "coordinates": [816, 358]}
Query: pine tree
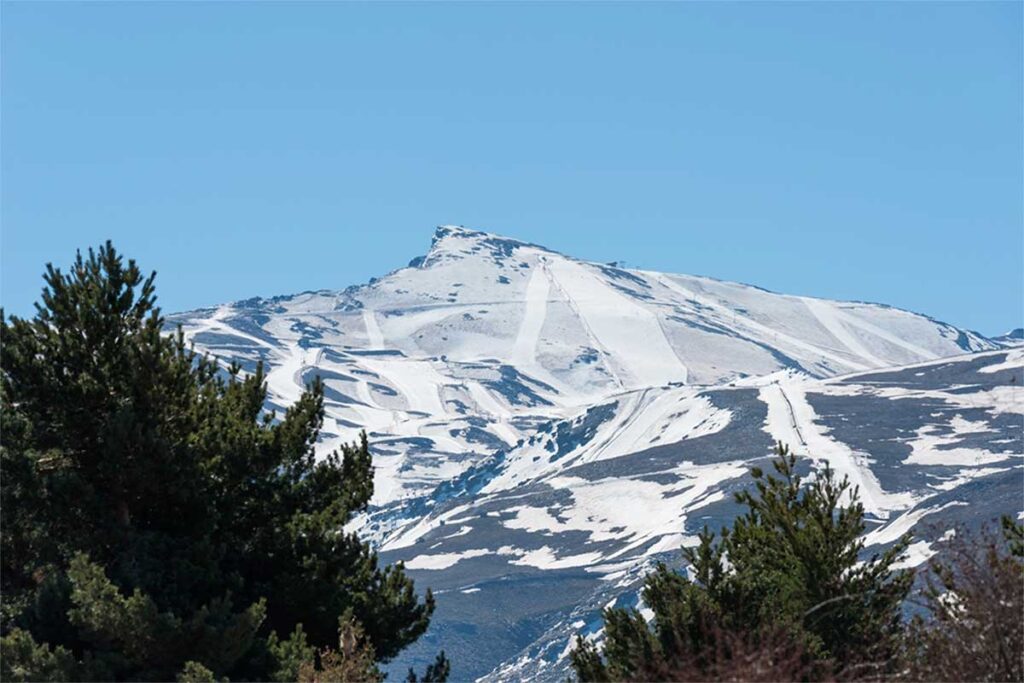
{"type": "Point", "coordinates": [156, 521]}
{"type": "Point", "coordinates": [436, 672]}
{"type": "Point", "coordinates": [784, 585]}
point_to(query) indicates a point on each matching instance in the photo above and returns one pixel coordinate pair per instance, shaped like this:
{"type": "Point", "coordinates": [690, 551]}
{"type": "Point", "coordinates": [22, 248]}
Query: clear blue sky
{"type": "Point", "coordinates": [862, 151]}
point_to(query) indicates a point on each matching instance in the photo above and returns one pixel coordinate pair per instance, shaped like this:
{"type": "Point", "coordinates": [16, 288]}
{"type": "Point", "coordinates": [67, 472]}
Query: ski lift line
{"type": "Point", "coordinates": [792, 416]}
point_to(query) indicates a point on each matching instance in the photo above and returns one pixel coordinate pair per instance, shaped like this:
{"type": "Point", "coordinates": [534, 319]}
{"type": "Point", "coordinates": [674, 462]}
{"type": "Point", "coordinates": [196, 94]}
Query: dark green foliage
{"type": "Point", "coordinates": [23, 659]}
{"type": "Point", "coordinates": [156, 522]}
{"type": "Point", "coordinates": [436, 672]}
{"type": "Point", "coordinates": [290, 655]}
{"type": "Point", "coordinates": [1014, 535]}
{"type": "Point", "coordinates": [133, 634]}
{"type": "Point", "coordinates": [783, 584]}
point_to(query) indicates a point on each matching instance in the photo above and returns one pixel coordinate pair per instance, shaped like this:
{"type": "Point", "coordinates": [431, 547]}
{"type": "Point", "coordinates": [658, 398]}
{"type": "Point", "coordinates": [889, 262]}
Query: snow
{"type": "Point", "coordinates": [830, 318]}
{"type": "Point", "coordinates": [634, 510]}
{"type": "Point", "coordinates": [642, 419]}
{"type": "Point", "coordinates": [409, 535]}
{"type": "Point", "coordinates": [661, 418]}
{"type": "Point", "coordinates": [374, 336]}
{"type": "Point", "coordinates": [747, 324]}
{"type": "Point", "coordinates": [925, 446]}
{"type": "Point", "coordinates": [671, 543]}
{"type": "Point", "coordinates": [524, 352]}
{"type": "Point", "coordinates": [792, 420]}
{"type": "Point", "coordinates": [443, 560]}
{"type": "Point", "coordinates": [965, 475]}
{"type": "Point", "coordinates": [517, 364]}
{"type": "Point", "coordinates": [492, 301]}
{"type": "Point", "coordinates": [284, 378]}
{"type": "Point", "coordinates": [780, 422]}
{"type": "Point", "coordinates": [540, 558]}
{"type": "Point", "coordinates": [545, 558]}
{"type": "Point", "coordinates": [629, 332]}
{"type": "Point", "coordinates": [895, 528]}
{"type": "Point", "coordinates": [1003, 399]}
{"type": "Point", "coordinates": [463, 530]}
{"type": "Point", "coordinates": [219, 322]}
{"type": "Point", "coordinates": [891, 338]}
{"type": "Point", "coordinates": [534, 519]}
{"type": "Point", "coordinates": [997, 400]}
{"type": "Point", "coordinates": [417, 381]}
{"type": "Point", "coordinates": [917, 554]}
{"type": "Point", "coordinates": [1014, 361]}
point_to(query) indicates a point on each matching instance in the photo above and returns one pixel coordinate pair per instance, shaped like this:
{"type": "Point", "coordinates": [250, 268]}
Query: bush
{"type": "Point", "coordinates": [973, 623]}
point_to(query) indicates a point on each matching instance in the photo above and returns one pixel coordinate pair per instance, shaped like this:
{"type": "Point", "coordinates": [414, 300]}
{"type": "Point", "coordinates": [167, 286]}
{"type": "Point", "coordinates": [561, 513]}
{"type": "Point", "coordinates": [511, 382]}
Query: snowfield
{"type": "Point", "coordinates": [545, 428]}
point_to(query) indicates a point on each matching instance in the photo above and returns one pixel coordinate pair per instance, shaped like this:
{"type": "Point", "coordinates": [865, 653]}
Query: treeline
{"type": "Point", "coordinates": [783, 595]}
{"type": "Point", "coordinates": [158, 524]}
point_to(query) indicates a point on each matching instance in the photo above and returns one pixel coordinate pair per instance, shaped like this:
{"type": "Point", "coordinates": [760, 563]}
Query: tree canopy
{"type": "Point", "coordinates": [157, 521]}
{"type": "Point", "coordinates": [782, 594]}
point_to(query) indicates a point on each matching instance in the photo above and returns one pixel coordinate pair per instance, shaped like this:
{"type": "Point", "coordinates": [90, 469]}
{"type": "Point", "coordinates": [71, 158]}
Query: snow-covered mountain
{"type": "Point", "coordinates": [1014, 337]}
{"type": "Point", "coordinates": [527, 548]}
{"type": "Point", "coordinates": [544, 428]}
{"type": "Point", "coordinates": [470, 347]}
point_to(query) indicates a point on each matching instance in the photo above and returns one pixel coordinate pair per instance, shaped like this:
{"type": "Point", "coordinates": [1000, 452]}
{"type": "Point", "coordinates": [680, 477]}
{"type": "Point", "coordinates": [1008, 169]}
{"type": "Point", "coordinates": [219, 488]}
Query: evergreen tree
{"type": "Point", "coordinates": [156, 521]}
{"type": "Point", "coordinates": [784, 580]}
{"type": "Point", "coordinates": [436, 672]}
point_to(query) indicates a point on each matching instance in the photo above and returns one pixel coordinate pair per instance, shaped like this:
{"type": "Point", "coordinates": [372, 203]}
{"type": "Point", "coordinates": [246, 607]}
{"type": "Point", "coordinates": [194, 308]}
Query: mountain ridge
{"type": "Point", "coordinates": [504, 334]}
{"type": "Point", "coordinates": [461, 232]}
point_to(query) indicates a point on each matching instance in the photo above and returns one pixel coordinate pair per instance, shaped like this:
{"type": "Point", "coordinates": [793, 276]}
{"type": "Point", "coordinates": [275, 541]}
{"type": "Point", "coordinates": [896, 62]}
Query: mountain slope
{"type": "Point", "coordinates": [465, 351]}
{"type": "Point", "coordinates": [573, 518]}
{"type": "Point", "coordinates": [545, 428]}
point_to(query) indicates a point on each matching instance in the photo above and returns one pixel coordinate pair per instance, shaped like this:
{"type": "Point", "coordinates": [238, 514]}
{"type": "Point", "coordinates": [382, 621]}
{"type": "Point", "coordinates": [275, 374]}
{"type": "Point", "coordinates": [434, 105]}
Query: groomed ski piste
{"type": "Point", "coordinates": [545, 428]}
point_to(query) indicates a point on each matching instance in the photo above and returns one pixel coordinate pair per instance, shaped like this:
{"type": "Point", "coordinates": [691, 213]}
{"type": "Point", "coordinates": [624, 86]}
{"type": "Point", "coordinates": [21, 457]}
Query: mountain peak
{"type": "Point", "coordinates": [456, 231]}
{"type": "Point", "coordinates": [457, 241]}
{"type": "Point", "coordinates": [460, 233]}
{"type": "Point", "coordinates": [450, 237]}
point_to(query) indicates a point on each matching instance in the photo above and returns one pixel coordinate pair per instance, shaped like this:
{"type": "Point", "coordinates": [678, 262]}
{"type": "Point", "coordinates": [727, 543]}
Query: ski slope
{"type": "Point", "coordinates": [544, 428]}
{"type": "Point", "coordinates": [467, 349]}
